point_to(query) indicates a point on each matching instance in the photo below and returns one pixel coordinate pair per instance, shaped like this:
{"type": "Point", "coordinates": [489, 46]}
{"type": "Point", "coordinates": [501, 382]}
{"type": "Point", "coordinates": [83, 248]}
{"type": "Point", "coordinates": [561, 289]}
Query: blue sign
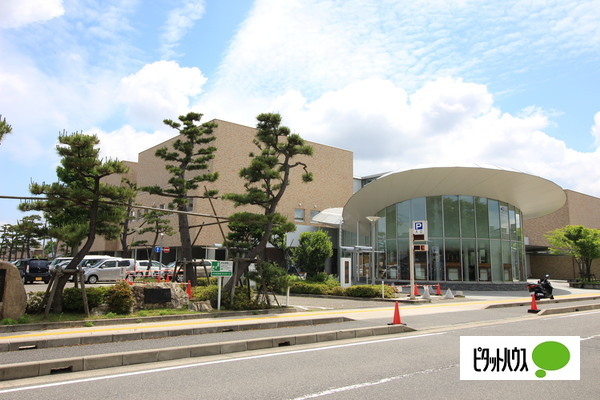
{"type": "Point", "coordinates": [418, 225]}
{"type": "Point", "coordinates": [157, 249]}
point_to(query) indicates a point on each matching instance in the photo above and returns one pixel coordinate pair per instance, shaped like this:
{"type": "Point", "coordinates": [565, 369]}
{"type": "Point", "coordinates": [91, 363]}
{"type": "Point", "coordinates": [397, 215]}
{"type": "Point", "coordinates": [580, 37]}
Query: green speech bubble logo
{"type": "Point", "coordinates": [550, 356]}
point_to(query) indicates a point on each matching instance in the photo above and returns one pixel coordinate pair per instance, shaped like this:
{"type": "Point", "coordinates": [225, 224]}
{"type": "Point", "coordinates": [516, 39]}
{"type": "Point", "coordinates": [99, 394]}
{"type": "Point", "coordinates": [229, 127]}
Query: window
{"type": "Point", "coordinates": [313, 213]}
{"type": "Point", "coordinates": [299, 215]}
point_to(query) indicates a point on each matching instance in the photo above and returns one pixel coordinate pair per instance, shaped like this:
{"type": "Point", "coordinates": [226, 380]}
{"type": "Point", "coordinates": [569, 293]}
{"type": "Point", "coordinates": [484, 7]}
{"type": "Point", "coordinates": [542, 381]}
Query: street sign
{"type": "Point", "coordinates": [419, 230]}
{"type": "Point", "coordinates": [157, 249]}
{"type": "Point", "coordinates": [222, 268]}
{"type": "Point", "coordinates": [419, 227]}
{"type": "Point", "coordinates": [166, 249]}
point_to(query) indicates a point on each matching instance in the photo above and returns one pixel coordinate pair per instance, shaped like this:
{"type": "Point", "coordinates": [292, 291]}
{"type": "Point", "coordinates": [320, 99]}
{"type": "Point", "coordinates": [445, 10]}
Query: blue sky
{"type": "Point", "coordinates": [400, 83]}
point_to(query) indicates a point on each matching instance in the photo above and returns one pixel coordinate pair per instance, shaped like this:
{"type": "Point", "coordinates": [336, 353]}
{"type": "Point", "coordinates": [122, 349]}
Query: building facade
{"type": "Point", "coordinates": [331, 187]}
{"type": "Point", "coordinates": [476, 218]}
{"type": "Point", "coordinates": [579, 209]}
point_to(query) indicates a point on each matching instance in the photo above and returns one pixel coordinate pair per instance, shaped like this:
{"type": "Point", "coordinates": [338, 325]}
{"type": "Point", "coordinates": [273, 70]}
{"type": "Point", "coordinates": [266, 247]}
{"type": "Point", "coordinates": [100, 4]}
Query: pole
{"type": "Point", "coordinates": [372, 252]}
{"type": "Point", "coordinates": [219, 295]}
{"type": "Point", "coordinates": [411, 253]}
{"type": "Point", "coordinates": [162, 235]}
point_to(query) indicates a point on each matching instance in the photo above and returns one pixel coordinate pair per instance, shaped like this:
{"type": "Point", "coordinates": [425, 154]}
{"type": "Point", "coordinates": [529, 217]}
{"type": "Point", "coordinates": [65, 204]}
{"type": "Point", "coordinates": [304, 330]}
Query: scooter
{"type": "Point", "coordinates": [542, 289]}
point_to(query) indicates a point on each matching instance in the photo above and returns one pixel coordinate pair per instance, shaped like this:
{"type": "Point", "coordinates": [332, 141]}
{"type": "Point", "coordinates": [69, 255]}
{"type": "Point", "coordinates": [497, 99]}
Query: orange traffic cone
{"type": "Point", "coordinates": [416, 290]}
{"type": "Point", "coordinates": [158, 278]}
{"type": "Point", "coordinates": [438, 292]}
{"type": "Point", "coordinates": [396, 320]}
{"type": "Point", "coordinates": [168, 279]}
{"type": "Point", "coordinates": [188, 289]}
{"type": "Point", "coordinates": [534, 308]}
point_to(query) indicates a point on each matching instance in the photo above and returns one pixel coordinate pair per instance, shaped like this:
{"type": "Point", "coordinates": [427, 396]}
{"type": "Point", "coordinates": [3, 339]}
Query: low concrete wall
{"type": "Point", "coordinates": [48, 367]}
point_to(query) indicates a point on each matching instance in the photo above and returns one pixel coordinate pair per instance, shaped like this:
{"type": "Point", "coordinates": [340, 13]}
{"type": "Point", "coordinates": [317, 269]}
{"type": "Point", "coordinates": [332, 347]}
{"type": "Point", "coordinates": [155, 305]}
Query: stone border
{"type": "Point", "coordinates": [121, 337]}
{"type": "Point", "coordinates": [542, 301]}
{"type": "Point", "coordinates": [133, 320]}
{"type": "Point", "coordinates": [85, 363]}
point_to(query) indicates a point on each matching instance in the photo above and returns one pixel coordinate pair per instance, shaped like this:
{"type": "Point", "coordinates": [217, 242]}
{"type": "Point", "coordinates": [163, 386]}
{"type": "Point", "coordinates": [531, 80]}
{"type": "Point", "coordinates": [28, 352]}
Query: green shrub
{"type": "Point", "coordinates": [202, 293]}
{"type": "Point", "coordinates": [35, 303]}
{"type": "Point", "coordinates": [73, 301]}
{"type": "Point", "coordinates": [207, 282]}
{"type": "Point", "coordinates": [309, 288]}
{"type": "Point", "coordinates": [367, 291]}
{"type": "Point", "coordinates": [241, 301]}
{"type": "Point", "coordinates": [8, 321]}
{"type": "Point", "coordinates": [120, 298]}
{"type": "Point", "coordinates": [337, 291]}
{"type": "Point", "coordinates": [24, 319]}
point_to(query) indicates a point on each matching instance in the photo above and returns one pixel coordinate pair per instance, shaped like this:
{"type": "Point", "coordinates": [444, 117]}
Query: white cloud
{"type": "Point", "coordinates": [159, 90]}
{"type": "Point", "coordinates": [318, 45]}
{"type": "Point", "coordinates": [179, 21]}
{"type": "Point", "coordinates": [447, 121]}
{"type": "Point", "coordinates": [19, 13]}
{"type": "Point", "coordinates": [126, 142]}
{"type": "Point", "coordinates": [596, 129]}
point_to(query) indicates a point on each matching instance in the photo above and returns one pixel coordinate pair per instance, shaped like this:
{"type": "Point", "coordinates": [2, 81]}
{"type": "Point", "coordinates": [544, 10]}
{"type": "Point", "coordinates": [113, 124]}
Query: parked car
{"type": "Point", "coordinates": [34, 270]}
{"type": "Point", "coordinates": [141, 269]}
{"type": "Point", "coordinates": [112, 269]}
{"type": "Point", "coordinates": [198, 264]}
{"type": "Point", "coordinates": [59, 262]}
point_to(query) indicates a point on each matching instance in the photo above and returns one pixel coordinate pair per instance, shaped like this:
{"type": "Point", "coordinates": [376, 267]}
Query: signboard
{"type": "Point", "coordinates": [419, 230]}
{"type": "Point", "coordinates": [166, 249]}
{"type": "Point", "coordinates": [157, 249]}
{"type": "Point", "coordinates": [419, 227]}
{"type": "Point", "coordinates": [222, 268]}
{"type": "Point", "coordinates": [2, 280]}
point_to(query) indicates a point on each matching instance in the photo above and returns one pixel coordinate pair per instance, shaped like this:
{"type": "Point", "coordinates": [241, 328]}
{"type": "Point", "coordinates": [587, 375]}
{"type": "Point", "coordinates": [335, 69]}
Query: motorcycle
{"type": "Point", "coordinates": [542, 289]}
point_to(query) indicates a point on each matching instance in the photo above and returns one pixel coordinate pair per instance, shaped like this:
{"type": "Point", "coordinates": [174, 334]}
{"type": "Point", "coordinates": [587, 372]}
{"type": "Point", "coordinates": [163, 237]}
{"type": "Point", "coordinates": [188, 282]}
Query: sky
{"type": "Point", "coordinates": [400, 83]}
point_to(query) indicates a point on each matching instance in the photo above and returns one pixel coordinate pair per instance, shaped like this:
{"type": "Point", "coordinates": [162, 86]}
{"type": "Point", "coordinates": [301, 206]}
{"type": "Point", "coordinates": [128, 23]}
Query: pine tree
{"type": "Point", "coordinates": [187, 162]}
{"type": "Point", "coordinates": [80, 190]}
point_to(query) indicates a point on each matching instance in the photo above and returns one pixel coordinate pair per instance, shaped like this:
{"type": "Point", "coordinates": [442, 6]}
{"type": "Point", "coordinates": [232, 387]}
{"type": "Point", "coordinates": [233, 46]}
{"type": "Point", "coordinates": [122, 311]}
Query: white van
{"type": "Point", "coordinates": [107, 270]}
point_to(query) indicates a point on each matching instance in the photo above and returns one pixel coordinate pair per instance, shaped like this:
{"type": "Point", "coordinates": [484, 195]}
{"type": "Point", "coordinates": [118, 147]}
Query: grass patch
{"type": "Point", "coordinates": [39, 318]}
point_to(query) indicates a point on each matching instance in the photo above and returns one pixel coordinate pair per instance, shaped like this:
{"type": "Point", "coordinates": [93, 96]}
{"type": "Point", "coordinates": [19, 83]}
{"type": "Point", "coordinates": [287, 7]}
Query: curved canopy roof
{"type": "Point", "coordinates": [533, 195]}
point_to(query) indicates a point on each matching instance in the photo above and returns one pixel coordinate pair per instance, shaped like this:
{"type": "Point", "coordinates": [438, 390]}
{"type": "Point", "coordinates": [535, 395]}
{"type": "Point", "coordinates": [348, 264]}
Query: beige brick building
{"type": "Point", "coordinates": [332, 186]}
{"type": "Point", "coordinates": [579, 209]}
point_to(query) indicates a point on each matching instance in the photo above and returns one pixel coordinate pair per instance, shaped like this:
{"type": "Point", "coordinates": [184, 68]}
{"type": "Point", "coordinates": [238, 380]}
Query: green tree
{"type": "Point", "coordinates": [31, 230]}
{"type": "Point", "coordinates": [10, 241]}
{"type": "Point", "coordinates": [4, 127]}
{"type": "Point", "coordinates": [313, 250]}
{"type": "Point", "coordinates": [80, 189]}
{"type": "Point", "coordinates": [158, 225]}
{"type": "Point", "coordinates": [578, 241]}
{"type": "Point", "coordinates": [125, 230]}
{"type": "Point", "coordinates": [188, 164]}
{"type": "Point", "coordinates": [267, 178]}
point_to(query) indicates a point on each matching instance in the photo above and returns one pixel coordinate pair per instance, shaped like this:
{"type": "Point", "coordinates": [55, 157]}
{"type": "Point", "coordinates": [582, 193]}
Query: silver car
{"type": "Point", "coordinates": [113, 269]}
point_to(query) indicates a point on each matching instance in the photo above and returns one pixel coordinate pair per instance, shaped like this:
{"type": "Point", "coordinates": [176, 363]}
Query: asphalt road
{"type": "Point", "coordinates": [420, 365]}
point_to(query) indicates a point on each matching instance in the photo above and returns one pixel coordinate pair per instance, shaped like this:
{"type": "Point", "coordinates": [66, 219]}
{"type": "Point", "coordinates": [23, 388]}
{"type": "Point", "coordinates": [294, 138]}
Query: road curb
{"type": "Point", "coordinates": [41, 326]}
{"type": "Point", "coordinates": [85, 363]}
{"type": "Point", "coordinates": [563, 310]}
{"type": "Point", "coordinates": [84, 339]}
{"type": "Point", "coordinates": [541, 302]}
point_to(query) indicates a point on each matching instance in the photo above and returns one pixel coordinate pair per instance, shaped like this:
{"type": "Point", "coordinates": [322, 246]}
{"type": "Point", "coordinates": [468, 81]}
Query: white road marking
{"type": "Point", "coordinates": [201, 364]}
{"type": "Point", "coordinates": [373, 383]}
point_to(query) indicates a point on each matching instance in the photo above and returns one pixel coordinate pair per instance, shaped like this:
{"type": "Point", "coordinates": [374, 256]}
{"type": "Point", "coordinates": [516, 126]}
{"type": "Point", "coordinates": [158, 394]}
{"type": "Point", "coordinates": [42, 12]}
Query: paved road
{"type": "Point", "coordinates": [424, 364]}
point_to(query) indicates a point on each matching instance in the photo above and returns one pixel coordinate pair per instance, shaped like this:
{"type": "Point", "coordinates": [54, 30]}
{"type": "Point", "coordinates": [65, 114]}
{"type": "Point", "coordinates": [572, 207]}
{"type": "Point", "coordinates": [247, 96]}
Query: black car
{"type": "Point", "coordinates": [34, 269]}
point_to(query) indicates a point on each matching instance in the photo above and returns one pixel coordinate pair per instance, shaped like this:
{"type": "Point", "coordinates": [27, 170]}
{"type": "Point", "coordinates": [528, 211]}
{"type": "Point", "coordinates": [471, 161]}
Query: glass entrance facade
{"type": "Point", "coordinates": [471, 239]}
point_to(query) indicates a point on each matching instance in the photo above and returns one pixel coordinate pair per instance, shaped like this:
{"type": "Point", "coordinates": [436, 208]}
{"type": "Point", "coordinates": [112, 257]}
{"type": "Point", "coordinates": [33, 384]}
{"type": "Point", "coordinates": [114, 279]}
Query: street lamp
{"type": "Point", "coordinates": [373, 219]}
